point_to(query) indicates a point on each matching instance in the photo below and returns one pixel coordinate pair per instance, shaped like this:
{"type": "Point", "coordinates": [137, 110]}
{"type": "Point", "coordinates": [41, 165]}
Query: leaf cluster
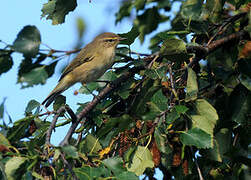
{"type": "Point", "coordinates": [185, 108]}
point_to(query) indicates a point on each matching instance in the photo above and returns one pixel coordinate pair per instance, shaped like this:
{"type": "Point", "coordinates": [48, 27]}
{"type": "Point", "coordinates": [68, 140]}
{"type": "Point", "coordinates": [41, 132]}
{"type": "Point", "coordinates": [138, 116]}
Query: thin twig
{"type": "Point", "coordinates": [174, 93]}
{"type": "Point", "coordinates": [68, 165]}
{"type": "Point", "coordinates": [197, 164]}
{"type": "Point", "coordinates": [226, 23]}
{"type": "Point", "coordinates": [53, 124]}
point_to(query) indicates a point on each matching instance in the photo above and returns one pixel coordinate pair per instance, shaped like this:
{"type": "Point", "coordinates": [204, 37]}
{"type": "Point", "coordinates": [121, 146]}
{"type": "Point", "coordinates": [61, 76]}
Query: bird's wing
{"type": "Point", "coordinates": [75, 63]}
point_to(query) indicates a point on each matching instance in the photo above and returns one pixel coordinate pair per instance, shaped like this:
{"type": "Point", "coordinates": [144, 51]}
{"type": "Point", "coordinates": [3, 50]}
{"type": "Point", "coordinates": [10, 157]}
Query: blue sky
{"type": "Point", "coordinates": [15, 14]}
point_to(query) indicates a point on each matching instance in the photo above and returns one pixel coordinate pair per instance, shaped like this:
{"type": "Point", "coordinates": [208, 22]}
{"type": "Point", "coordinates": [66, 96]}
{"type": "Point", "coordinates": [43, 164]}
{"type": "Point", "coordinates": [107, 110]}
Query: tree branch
{"type": "Point", "coordinates": [96, 100]}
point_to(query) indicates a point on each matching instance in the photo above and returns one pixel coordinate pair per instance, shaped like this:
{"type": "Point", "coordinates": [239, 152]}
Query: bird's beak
{"type": "Point", "coordinates": [121, 38]}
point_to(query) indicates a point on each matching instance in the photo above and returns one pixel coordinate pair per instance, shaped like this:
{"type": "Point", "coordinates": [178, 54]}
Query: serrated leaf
{"type": "Point", "coordinates": [192, 86]}
{"type": "Point", "coordinates": [12, 165]}
{"type": "Point", "coordinates": [87, 89]}
{"type": "Point", "coordinates": [32, 104]}
{"type": "Point", "coordinates": [142, 159]}
{"type": "Point", "coordinates": [56, 10]}
{"type": "Point", "coordinates": [115, 164]}
{"type": "Point", "coordinates": [70, 151]}
{"type": "Point", "coordinates": [191, 9]}
{"type": "Point", "coordinates": [173, 46]}
{"type": "Point", "coordinates": [108, 76]}
{"type": "Point", "coordinates": [28, 41]}
{"type": "Point", "coordinates": [90, 144]}
{"type": "Point", "coordinates": [35, 76]}
{"type": "Point", "coordinates": [160, 101]}
{"type": "Point", "coordinates": [181, 109]}
{"type": "Point", "coordinates": [196, 137]}
{"type": "Point", "coordinates": [91, 172]}
{"type": "Point", "coordinates": [222, 143]}
{"type": "Point", "coordinates": [130, 36]}
{"type": "Point", "coordinates": [19, 129]}
{"type": "Point", "coordinates": [3, 140]}
{"type": "Point", "coordinates": [6, 62]}
{"type": "Point", "coordinates": [206, 118]}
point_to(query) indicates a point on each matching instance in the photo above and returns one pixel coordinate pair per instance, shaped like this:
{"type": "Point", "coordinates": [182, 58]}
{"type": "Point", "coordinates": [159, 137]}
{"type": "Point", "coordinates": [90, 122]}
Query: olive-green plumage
{"type": "Point", "coordinates": [90, 64]}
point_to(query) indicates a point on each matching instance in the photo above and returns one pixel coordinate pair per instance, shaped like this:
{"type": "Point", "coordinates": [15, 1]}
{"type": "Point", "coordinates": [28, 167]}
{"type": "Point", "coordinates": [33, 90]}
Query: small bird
{"type": "Point", "coordinates": [89, 65]}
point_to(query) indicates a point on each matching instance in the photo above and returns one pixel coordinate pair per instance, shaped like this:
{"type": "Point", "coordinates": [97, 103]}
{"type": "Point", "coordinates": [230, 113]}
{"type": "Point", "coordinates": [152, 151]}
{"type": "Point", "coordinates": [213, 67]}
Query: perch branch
{"type": "Point", "coordinates": [96, 100]}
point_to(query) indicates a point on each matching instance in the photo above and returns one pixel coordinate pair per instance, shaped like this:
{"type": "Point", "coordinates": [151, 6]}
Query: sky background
{"type": "Point", "coordinates": [99, 16]}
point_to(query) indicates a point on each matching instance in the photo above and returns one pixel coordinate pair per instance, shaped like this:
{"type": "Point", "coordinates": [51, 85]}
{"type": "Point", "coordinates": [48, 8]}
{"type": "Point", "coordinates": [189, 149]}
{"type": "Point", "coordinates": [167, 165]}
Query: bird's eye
{"type": "Point", "coordinates": [109, 40]}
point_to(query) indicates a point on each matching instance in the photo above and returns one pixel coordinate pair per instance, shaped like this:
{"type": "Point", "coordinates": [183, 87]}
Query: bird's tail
{"type": "Point", "coordinates": [61, 87]}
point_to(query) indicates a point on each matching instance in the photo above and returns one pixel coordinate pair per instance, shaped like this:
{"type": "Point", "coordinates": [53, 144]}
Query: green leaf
{"type": "Point", "coordinates": [89, 173]}
{"type": "Point", "coordinates": [196, 137]}
{"type": "Point", "coordinates": [115, 164]}
{"type": "Point", "coordinates": [81, 26]}
{"type": "Point", "coordinates": [51, 68]}
{"type": "Point", "coordinates": [2, 108]}
{"type": "Point", "coordinates": [213, 10]}
{"type": "Point", "coordinates": [59, 102]}
{"type": "Point", "coordinates": [32, 104]}
{"type": "Point", "coordinates": [6, 62]}
{"type": "Point", "coordinates": [222, 144]}
{"type": "Point", "coordinates": [108, 76]}
{"type": "Point", "coordinates": [240, 105]}
{"type": "Point", "coordinates": [28, 41]}
{"type": "Point", "coordinates": [181, 109]}
{"type": "Point", "coordinates": [124, 11]}
{"type": "Point", "coordinates": [90, 144]}
{"type": "Point", "coordinates": [12, 166]}
{"type": "Point", "coordinates": [35, 76]}
{"type": "Point", "coordinates": [245, 81]}
{"type": "Point", "coordinates": [130, 36]}
{"type": "Point", "coordinates": [70, 151]}
{"type": "Point", "coordinates": [148, 22]}
{"type": "Point", "coordinates": [159, 101]}
{"type": "Point", "coordinates": [116, 125]}
{"type": "Point", "coordinates": [142, 159]}
{"type": "Point", "coordinates": [19, 129]}
{"type": "Point", "coordinates": [126, 176]}
{"type": "Point", "coordinates": [4, 141]}
{"type": "Point", "coordinates": [139, 4]}
{"type": "Point", "coordinates": [56, 10]}
{"type": "Point", "coordinates": [161, 141]}
{"type": "Point", "coordinates": [192, 86]}
{"type": "Point", "coordinates": [191, 9]}
{"type": "Point", "coordinates": [87, 89]}
{"type": "Point", "coordinates": [172, 116]}
{"type": "Point", "coordinates": [148, 90]}
{"type": "Point", "coordinates": [206, 118]}
{"type": "Point", "coordinates": [172, 47]}
{"type": "Point", "coordinates": [158, 73]}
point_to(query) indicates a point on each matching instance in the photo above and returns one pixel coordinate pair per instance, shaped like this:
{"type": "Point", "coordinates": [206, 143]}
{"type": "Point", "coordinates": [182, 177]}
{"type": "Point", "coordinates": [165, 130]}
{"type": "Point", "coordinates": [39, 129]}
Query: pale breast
{"type": "Point", "coordinates": [94, 69]}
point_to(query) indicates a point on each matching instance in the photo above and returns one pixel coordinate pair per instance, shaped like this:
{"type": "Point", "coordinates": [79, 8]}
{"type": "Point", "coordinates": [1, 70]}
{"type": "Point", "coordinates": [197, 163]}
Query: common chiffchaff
{"type": "Point", "coordinates": [90, 64]}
